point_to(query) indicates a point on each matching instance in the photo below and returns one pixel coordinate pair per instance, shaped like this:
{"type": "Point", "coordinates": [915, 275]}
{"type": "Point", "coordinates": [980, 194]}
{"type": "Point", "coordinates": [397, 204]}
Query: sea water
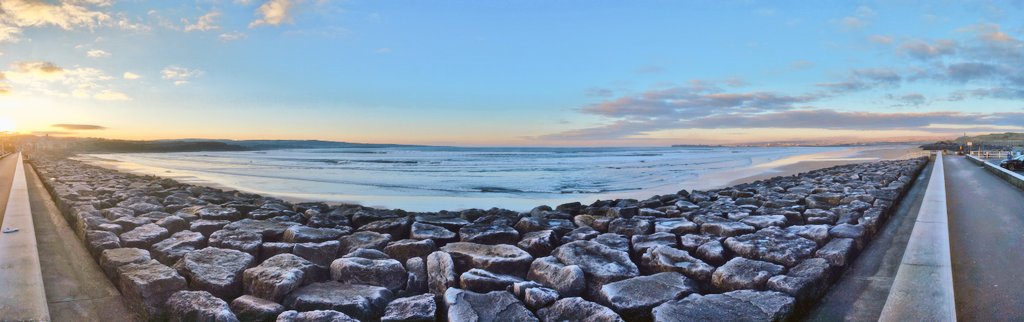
{"type": "Point", "coordinates": [453, 178]}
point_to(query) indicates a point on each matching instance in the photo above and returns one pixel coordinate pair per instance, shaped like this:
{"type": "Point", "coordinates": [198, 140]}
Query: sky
{"type": "Point", "coordinates": [512, 73]}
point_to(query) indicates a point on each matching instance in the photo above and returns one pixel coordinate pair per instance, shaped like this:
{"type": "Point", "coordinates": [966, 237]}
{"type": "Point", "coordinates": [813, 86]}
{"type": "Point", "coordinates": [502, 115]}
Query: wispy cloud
{"type": "Point", "coordinates": [180, 75]}
{"type": "Point", "coordinates": [78, 127]}
{"type": "Point", "coordinates": [205, 22]}
{"type": "Point", "coordinates": [231, 36]}
{"type": "Point", "coordinates": [66, 14]}
{"type": "Point", "coordinates": [109, 95]}
{"type": "Point", "coordinates": [130, 76]}
{"type": "Point", "coordinates": [97, 53]}
{"type": "Point", "coordinates": [273, 12]}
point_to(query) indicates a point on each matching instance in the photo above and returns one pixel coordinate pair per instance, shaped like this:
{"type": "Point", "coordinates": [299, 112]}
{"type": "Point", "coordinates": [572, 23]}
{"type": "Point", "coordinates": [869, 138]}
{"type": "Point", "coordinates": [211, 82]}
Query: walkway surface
{"type": "Point", "coordinates": [986, 216]}
{"type": "Point", "coordinates": [22, 298]}
{"type": "Point", "coordinates": [6, 178]}
{"type": "Point", "coordinates": [861, 292]}
{"type": "Point", "coordinates": [76, 288]}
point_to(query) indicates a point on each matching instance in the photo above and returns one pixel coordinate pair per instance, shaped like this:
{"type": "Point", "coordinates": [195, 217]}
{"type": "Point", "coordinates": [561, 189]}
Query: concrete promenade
{"type": "Point", "coordinates": [23, 298]}
{"type": "Point", "coordinates": [986, 216]}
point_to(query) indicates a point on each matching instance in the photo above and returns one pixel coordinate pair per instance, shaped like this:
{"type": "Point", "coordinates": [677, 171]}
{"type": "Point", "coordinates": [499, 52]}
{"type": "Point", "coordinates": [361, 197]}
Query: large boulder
{"type": "Point", "coordinates": [363, 240]}
{"type": "Point", "coordinates": [321, 254]}
{"type": "Point", "coordinates": [438, 234]}
{"type": "Point", "coordinates": [112, 259]}
{"type": "Point", "coordinates": [634, 298]}
{"type": "Point", "coordinates": [838, 252]}
{"type": "Point", "coordinates": [744, 305]}
{"type": "Point", "coordinates": [215, 270]}
{"type": "Point", "coordinates": [641, 243]}
{"type": "Point", "coordinates": [465, 306]}
{"type": "Point", "coordinates": [362, 302]}
{"type": "Point", "coordinates": [277, 276]}
{"type": "Point", "coordinates": [490, 234]}
{"type": "Point", "coordinates": [441, 273]}
{"type": "Point", "coordinates": [198, 306]}
{"type": "Point", "coordinates": [241, 240]}
{"type": "Point", "coordinates": [741, 273]}
{"type": "Point", "coordinates": [668, 259]}
{"type": "Point", "coordinates": [315, 316]}
{"type": "Point", "coordinates": [306, 234]}
{"type": "Point", "coordinates": [478, 280]}
{"type": "Point", "coordinates": [601, 264]}
{"type": "Point", "coordinates": [251, 308]}
{"type": "Point", "coordinates": [806, 282]}
{"type": "Point", "coordinates": [826, 200]}
{"type": "Point", "coordinates": [577, 309]}
{"type": "Point", "coordinates": [143, 236]}
{"type": "Point", "coordinates": [388, 273]}
{"type": "Point", "coordinates": [170, 250]}
{"type": "Point", "coordinates": [147, 286]}
{"type": "Point", "coordinates": [501, 259]}
{"type": "Point", "coordinates": [402, 250]}
{"type": "Point", "coordinates": [774, 245]}
{"type": "Point", "coordinates": [568, 280]}
{"type": "Point", "coordinates": [538, 243]}
{"type": "Point", "coordinates": [419, 308]}
{"type": "Point", "coordinates": [270, 230]}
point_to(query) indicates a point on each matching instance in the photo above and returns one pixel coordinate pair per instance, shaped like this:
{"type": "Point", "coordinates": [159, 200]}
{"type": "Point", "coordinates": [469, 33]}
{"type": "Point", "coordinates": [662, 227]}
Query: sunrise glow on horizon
{"type": "Point", "coordinates": [532, 73]}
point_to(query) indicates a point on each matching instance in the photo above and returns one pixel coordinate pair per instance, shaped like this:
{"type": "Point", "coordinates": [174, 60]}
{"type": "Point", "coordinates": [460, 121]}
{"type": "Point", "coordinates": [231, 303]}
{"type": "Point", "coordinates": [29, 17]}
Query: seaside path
{"type": "Point", "coordinates": [986, 223]}
{"type": "Point", "coordinates": [7, 165]}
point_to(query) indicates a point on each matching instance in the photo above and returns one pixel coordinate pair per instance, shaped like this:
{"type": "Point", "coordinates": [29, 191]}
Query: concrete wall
{"type": "Point", "coordinates": [1013, 178]}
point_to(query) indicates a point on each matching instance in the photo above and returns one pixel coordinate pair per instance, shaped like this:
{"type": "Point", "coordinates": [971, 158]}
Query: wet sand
{"type": "Point", "coordinates": [804, 163]}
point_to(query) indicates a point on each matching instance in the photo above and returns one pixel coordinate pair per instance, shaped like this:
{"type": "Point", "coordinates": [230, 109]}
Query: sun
{"type": "Point", "coordinates": [6, 125]}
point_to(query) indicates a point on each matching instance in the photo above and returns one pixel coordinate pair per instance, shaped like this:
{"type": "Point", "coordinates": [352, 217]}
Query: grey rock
{"type": "Point", "coordinates": [774, 245]}
{"type": "Point", "coordinates": [417, 268]}
{"type": "Point", "coordinates": [634, 298]}
{"type": "Point", "coordinates": [820, 217]}
{"type": "Point", "coordinates": [641, 243]}
{"type": "Point", "coordinates": [582, 233]}
{"type": "Point", "coordinates": [245, 241]}
{"type": "Point", "coordinates": [396, 227]}
{"type": "Point", "coordinates": [501, 259]}
{"type": "Point", "coordinates": [441, 273]}
{"type": "Point", "coordinates": [614, 241]}
{"type": "Point", "coordinates": [741, 273]}
{"type": "Point", "coordinates": [538, 297]}
{"type": "Point", "coordinates": [206, 226]}
{"type": "Point", "coordinates": [823, 200]}
{"type": "Point", "coordinates": [146, 287]}
{"type": "Point", "coordinates": [170, 250]}
{"type": "Point", "coordinates": [480, 281]}
{"type": "Point", "coordinates": [215, 270]}
{"type": "Point", "coordinates": [726, 228]}
{"type": "Point", "coordinates": [403, 250]}
{"type": "Point", "coordinates": [173, 224]}
{"type": "Point", "coordinates": [278, 276]}
{"type": "Point", "coordinates": [314, 316]}
{"type": "Point", "coordinates": [677, 226]}
{"type": "Point", "coordinates": [321, 254]}
{"type": "Point", "coordinates": [219, 213]}
{"type": "Point", "coordinates": [577, 309]}
{"type": "Point", "coordinates": [271, 231]}
{"type": "Point", "coordinates": [712, 252]}
{"type": "Point", "coordinates": [630, 226]}
{"type": "Point", "coordinates": [362, 302]}
{"type": "Point", "coordinates": [306, 234]}
{"type": "Point", "coordinates": [765, 221]}
{"type": "Point", "coordinates": [387, 273]}
{"type": "Point", "coordinates": [464, 306]}
{"type": "Point", "coordinates": [806, 282]}
{"type": "Point", "coordinates": [568, 280]}
{"type": "Point", "coordinates": [143, 236]}
{"type": "Point", "coordinates": [251, 308]}
{"type": "Point", "coordinates": [817, 233]}
{"type": "Point", "coordinates": [838, 252]}
{"type": "Point", "coordinates": [668, 259]}
{"type": "Point", "coordinates": [364, 240]}
{"type": "Point", "coordinates": [744, 305]}
{"type": "Point", "coordinates": [601, 264]}
{"type": "Point", "coordinates": [490, 234]}
{"type": "Point", "coordinates": [438, 234]}
{"type": "Point", "coordinates": [198, 306]}
{"type": "Point", "coordinates": [420, 308]}
{"type": "Point", "coordinates": [538, 243]}
{"type": "Point", "coordinates": [112, 259]}
{"type": "Point", "coordinates": [268, 250]}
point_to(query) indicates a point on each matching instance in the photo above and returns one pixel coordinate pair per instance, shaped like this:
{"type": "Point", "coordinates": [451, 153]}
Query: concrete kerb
{"type": "Point", "coordinates": [923, 287]}
{"type": "Point", "coordinates": [20, 273]}
{"type": "Point", "coordinates": [1013, 178]}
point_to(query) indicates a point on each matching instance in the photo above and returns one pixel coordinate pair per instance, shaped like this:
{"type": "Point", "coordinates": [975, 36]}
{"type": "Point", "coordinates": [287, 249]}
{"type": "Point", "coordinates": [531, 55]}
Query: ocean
{"type": "Point", "coordinates": [453, 178]}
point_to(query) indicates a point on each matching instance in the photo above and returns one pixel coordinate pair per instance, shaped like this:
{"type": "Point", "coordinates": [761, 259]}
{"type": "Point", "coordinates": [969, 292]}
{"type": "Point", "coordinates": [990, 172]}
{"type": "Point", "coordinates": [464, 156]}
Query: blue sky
{"type": "Point", "coordinates": [513, 72]}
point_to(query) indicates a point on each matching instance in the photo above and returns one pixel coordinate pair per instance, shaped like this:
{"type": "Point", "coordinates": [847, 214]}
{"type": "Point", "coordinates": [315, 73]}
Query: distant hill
{"type": "Point", "coordinates": [99, 145]}
{"type": "Point", "coordinates": [994, 141]}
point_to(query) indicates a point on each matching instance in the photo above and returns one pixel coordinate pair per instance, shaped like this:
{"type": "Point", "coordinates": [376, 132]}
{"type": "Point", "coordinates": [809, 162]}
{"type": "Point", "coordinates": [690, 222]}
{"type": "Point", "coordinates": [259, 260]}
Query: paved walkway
{"type": "Point", "coordinates": [6, 178]}
{"type": "Point", "coordinates": [986, 216]}
{"type": "Point", "coordinates": [861, 292]}
{"type": "Point", "coordinates": [22, 298]}
{"type": "Point", "coordinates": [76, 288]}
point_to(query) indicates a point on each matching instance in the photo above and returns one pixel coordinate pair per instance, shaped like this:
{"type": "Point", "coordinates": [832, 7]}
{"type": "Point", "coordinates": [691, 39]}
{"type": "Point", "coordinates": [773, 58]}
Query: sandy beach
{"type": "Point", "coordinates": [805, 163]}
